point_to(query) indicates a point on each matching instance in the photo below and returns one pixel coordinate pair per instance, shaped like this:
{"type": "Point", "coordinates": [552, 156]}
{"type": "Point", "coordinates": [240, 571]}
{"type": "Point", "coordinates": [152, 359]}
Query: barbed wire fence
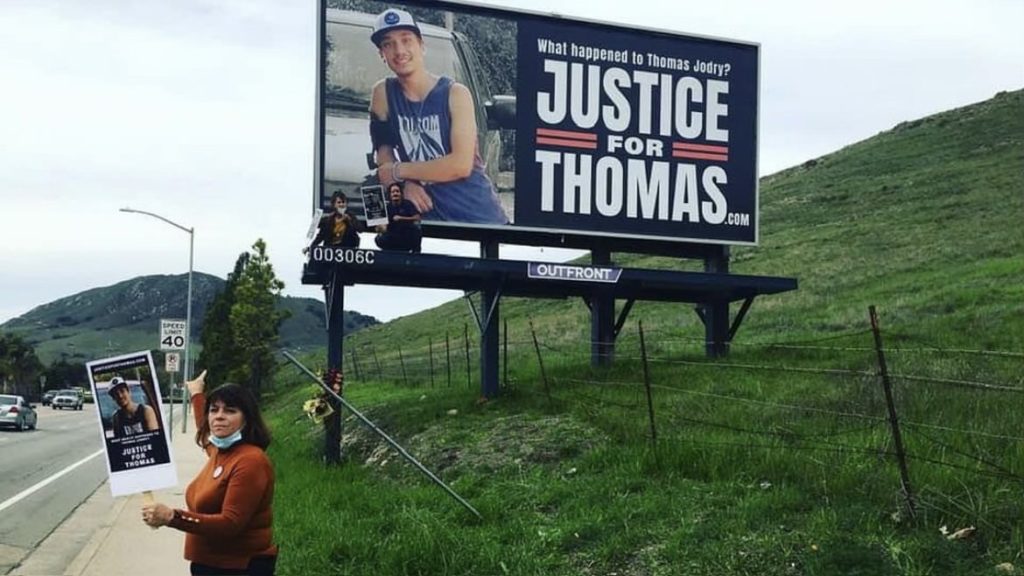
{"type": "Point", "coordinates": [908, 403]}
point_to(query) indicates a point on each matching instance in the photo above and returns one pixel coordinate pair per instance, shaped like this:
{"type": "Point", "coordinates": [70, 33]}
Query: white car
{"type": "Point", "coordinates": [67, 399]}
{"type": "Point", "coordinates": [17, 413]}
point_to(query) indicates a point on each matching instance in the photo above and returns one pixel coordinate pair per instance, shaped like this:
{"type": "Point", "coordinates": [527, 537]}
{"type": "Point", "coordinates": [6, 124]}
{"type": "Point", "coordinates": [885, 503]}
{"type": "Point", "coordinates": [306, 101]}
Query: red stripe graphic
{"type": "Point", "coordinates": [700, 147]}
{"type": "Point", "coordinates": [568, 143]}
{"type": "Point", "coordinates": [567, 134]}
{"type": "Point", "coordinates": [699, 156]}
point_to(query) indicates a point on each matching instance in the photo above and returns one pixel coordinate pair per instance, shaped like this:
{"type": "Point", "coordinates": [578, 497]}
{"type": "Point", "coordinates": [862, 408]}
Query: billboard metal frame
{"type": "Point", "coordinates": [711, 290]}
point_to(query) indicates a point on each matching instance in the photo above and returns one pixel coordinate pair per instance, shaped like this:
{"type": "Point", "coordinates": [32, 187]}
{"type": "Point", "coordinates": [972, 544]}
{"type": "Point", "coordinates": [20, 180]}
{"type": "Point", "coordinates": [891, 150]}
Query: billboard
{"type": "Point", "coordinates": [493, 118]}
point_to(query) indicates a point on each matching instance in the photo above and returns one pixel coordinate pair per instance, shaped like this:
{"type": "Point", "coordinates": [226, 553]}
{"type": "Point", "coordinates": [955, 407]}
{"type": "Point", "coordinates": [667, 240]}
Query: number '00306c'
{"type": "Point", "coordinates": [343, 255]}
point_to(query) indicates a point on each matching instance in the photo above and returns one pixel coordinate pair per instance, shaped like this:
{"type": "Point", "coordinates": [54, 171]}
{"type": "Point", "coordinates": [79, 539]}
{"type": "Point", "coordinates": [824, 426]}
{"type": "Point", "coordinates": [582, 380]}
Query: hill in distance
{"type": "Point", "coordinates": [125, 317]}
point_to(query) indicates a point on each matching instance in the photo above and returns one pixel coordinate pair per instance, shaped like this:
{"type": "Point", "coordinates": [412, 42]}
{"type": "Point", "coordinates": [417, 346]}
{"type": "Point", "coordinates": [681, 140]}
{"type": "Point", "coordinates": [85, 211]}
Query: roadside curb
{"type": "Point", "coordinates": [86, 523]}
{"type": "Point", "coordinates": [105, 535]}
{"type": "Point", "coordinates": [85, 556]}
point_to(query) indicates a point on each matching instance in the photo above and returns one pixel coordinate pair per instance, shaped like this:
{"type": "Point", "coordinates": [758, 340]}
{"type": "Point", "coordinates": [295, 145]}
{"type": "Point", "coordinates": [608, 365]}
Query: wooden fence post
{"type": "Point", "coordinates": [894, 423]}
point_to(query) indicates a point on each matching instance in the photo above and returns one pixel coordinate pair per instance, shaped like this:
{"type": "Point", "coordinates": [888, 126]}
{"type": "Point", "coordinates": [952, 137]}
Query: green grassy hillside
{"type": "Point", "coordinates": [777, 460]}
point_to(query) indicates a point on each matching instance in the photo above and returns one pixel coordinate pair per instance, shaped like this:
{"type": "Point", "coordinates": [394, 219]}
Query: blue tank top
{"type": "Point", "coordinates": [423, 132]}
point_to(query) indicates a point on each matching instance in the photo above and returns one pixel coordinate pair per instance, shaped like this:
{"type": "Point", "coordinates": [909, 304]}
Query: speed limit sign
{"type": "Point", "coordinates": [172, 334]}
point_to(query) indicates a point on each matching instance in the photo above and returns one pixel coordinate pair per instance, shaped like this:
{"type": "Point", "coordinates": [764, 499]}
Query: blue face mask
{"type": "Point", "coordinates": [227, 442]}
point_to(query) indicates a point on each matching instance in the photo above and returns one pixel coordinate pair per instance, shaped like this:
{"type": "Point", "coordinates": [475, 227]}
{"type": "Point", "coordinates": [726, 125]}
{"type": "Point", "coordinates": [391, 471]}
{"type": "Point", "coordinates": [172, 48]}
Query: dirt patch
{"type": "Point", "coordinates": [505, 442]}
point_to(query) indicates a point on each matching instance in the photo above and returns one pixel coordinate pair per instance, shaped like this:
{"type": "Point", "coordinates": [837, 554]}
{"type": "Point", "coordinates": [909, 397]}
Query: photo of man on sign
{"type": "Point", "coordinates": [132, 417]}
{"type": "Point", "coordinates": [423, 129]}
{"type": "Point", "coordinates": [456, 136]}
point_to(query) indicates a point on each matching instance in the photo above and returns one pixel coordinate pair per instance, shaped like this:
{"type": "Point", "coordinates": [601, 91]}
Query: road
{"type": "Point", "coordinates": [30, 508]}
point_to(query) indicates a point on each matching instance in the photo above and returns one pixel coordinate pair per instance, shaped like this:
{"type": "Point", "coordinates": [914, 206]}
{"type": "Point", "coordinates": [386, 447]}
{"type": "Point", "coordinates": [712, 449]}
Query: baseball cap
{"type": "Point", "coordinates": [115, 383]}
{"type": "Point", "coordinates": [393, 19]}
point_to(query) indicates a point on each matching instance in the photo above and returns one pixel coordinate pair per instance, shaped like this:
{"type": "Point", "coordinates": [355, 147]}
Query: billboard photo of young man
{"type": "Point", "coordinates": [424, 133]}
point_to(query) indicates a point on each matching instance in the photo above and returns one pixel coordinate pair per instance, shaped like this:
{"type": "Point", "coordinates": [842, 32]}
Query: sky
{"type": "Point", "coordinates": [203, 111]}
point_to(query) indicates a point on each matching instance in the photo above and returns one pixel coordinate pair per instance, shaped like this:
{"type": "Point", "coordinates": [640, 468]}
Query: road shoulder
{"type": "Point", "coordinates": [106, 536]}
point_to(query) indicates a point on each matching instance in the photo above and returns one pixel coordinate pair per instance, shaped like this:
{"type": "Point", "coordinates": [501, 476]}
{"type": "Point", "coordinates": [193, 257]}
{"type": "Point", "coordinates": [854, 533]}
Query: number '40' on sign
{"type": "Point", "coordinates": [173, 341]}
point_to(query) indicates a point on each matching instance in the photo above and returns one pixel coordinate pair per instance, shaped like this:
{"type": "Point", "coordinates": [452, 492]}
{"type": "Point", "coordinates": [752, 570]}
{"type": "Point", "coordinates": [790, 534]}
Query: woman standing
{"type": "Point", "coordinates": [228, 522]}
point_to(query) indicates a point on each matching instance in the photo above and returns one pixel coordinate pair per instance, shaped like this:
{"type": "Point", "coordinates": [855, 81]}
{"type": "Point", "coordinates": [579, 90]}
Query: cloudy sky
{"type": "Point", "coordinates": [202, 111]}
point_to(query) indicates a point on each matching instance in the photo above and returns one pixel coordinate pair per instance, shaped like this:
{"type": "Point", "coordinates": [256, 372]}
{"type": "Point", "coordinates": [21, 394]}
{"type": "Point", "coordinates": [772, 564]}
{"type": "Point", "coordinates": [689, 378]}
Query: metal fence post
{"type": "Point", "coordinates": [431, 351]}
{"type": "Point", "coordinates": [894, 423]}
{"type": "Point", "coordinates": [647, 386]}
{"type": "Point", "coordinates": [376, 361]}
{"type": "Point", "coordinates": [401, 359]}
{"type": "Point", "coordinates": [448, 357]}
{"type": "Point", "coordinates": [540, 362]}
{"type": "Point", "coordinates": [465, 338]}
{"type": "Point", "coordinates": [355, 364]}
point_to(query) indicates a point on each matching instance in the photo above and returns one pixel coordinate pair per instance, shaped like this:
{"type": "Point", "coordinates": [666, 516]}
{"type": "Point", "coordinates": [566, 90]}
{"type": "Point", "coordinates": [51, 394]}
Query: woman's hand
{"type": "Point", "coordinates": [198, 385]}
{"type": "Point", "coordinates": [156, 514]}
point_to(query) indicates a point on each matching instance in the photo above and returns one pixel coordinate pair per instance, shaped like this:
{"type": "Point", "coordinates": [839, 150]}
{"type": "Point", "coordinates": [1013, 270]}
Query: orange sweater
{"type": "Point", "coordinates": [229, 514]}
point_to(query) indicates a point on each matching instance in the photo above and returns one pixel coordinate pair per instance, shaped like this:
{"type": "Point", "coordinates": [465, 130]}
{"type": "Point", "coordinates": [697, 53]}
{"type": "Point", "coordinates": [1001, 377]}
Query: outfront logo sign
{"type": "Point", "coordinates": [545, 271]}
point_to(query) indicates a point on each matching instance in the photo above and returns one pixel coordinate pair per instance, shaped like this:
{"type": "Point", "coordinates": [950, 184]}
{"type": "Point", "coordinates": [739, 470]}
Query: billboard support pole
{"type": "Point", "coordinates": [602, 316]}
{"type": "Point", "coordinates": [489, 310]}
{"type": "Point", "coordinates": [716, 312]}
{"type": "Point", "coordinates": [334, 293]}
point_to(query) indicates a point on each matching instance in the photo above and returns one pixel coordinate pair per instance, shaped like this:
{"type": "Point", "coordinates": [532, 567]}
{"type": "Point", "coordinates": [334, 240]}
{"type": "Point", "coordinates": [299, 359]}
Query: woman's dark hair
{"type": "Point", "coordinates": [398, 185]}
{"type": "Point", "coordinates": [255, 430]}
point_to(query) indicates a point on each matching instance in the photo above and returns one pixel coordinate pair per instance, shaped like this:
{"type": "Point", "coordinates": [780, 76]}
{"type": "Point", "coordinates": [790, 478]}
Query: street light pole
{"type": "Point", "coordinates": [188, 307]}
{"type": "Point", "coordinates": [188, 304]}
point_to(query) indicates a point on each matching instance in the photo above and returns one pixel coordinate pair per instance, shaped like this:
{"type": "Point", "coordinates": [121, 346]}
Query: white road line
{"type": "Point", "coordinates": [39, 485]}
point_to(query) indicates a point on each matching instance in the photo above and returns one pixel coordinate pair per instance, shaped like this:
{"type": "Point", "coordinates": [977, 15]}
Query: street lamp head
{"type": "Point", "coordinates": [188, 310]}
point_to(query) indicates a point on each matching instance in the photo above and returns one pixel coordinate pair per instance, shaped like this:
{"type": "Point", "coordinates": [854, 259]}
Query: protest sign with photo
{"type": "Point", "coordinates": [128, 409]}
{"type": "Point", "coordinates": [375, 205]}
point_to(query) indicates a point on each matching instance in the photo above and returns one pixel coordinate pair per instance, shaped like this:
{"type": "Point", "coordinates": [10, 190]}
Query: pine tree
{"type": "Point", "coordinates": [255, 320]}
{"type": "Point", "coordinates": [220, 351]}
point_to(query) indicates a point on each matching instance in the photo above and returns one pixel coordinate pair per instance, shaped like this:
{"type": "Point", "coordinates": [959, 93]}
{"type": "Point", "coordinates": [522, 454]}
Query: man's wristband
{"type": "Point", "coordinates": [394, 171]}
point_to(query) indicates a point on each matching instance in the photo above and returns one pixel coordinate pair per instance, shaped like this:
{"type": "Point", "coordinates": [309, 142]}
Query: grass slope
{"type": "Point", "coordinates": [774, 461]}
